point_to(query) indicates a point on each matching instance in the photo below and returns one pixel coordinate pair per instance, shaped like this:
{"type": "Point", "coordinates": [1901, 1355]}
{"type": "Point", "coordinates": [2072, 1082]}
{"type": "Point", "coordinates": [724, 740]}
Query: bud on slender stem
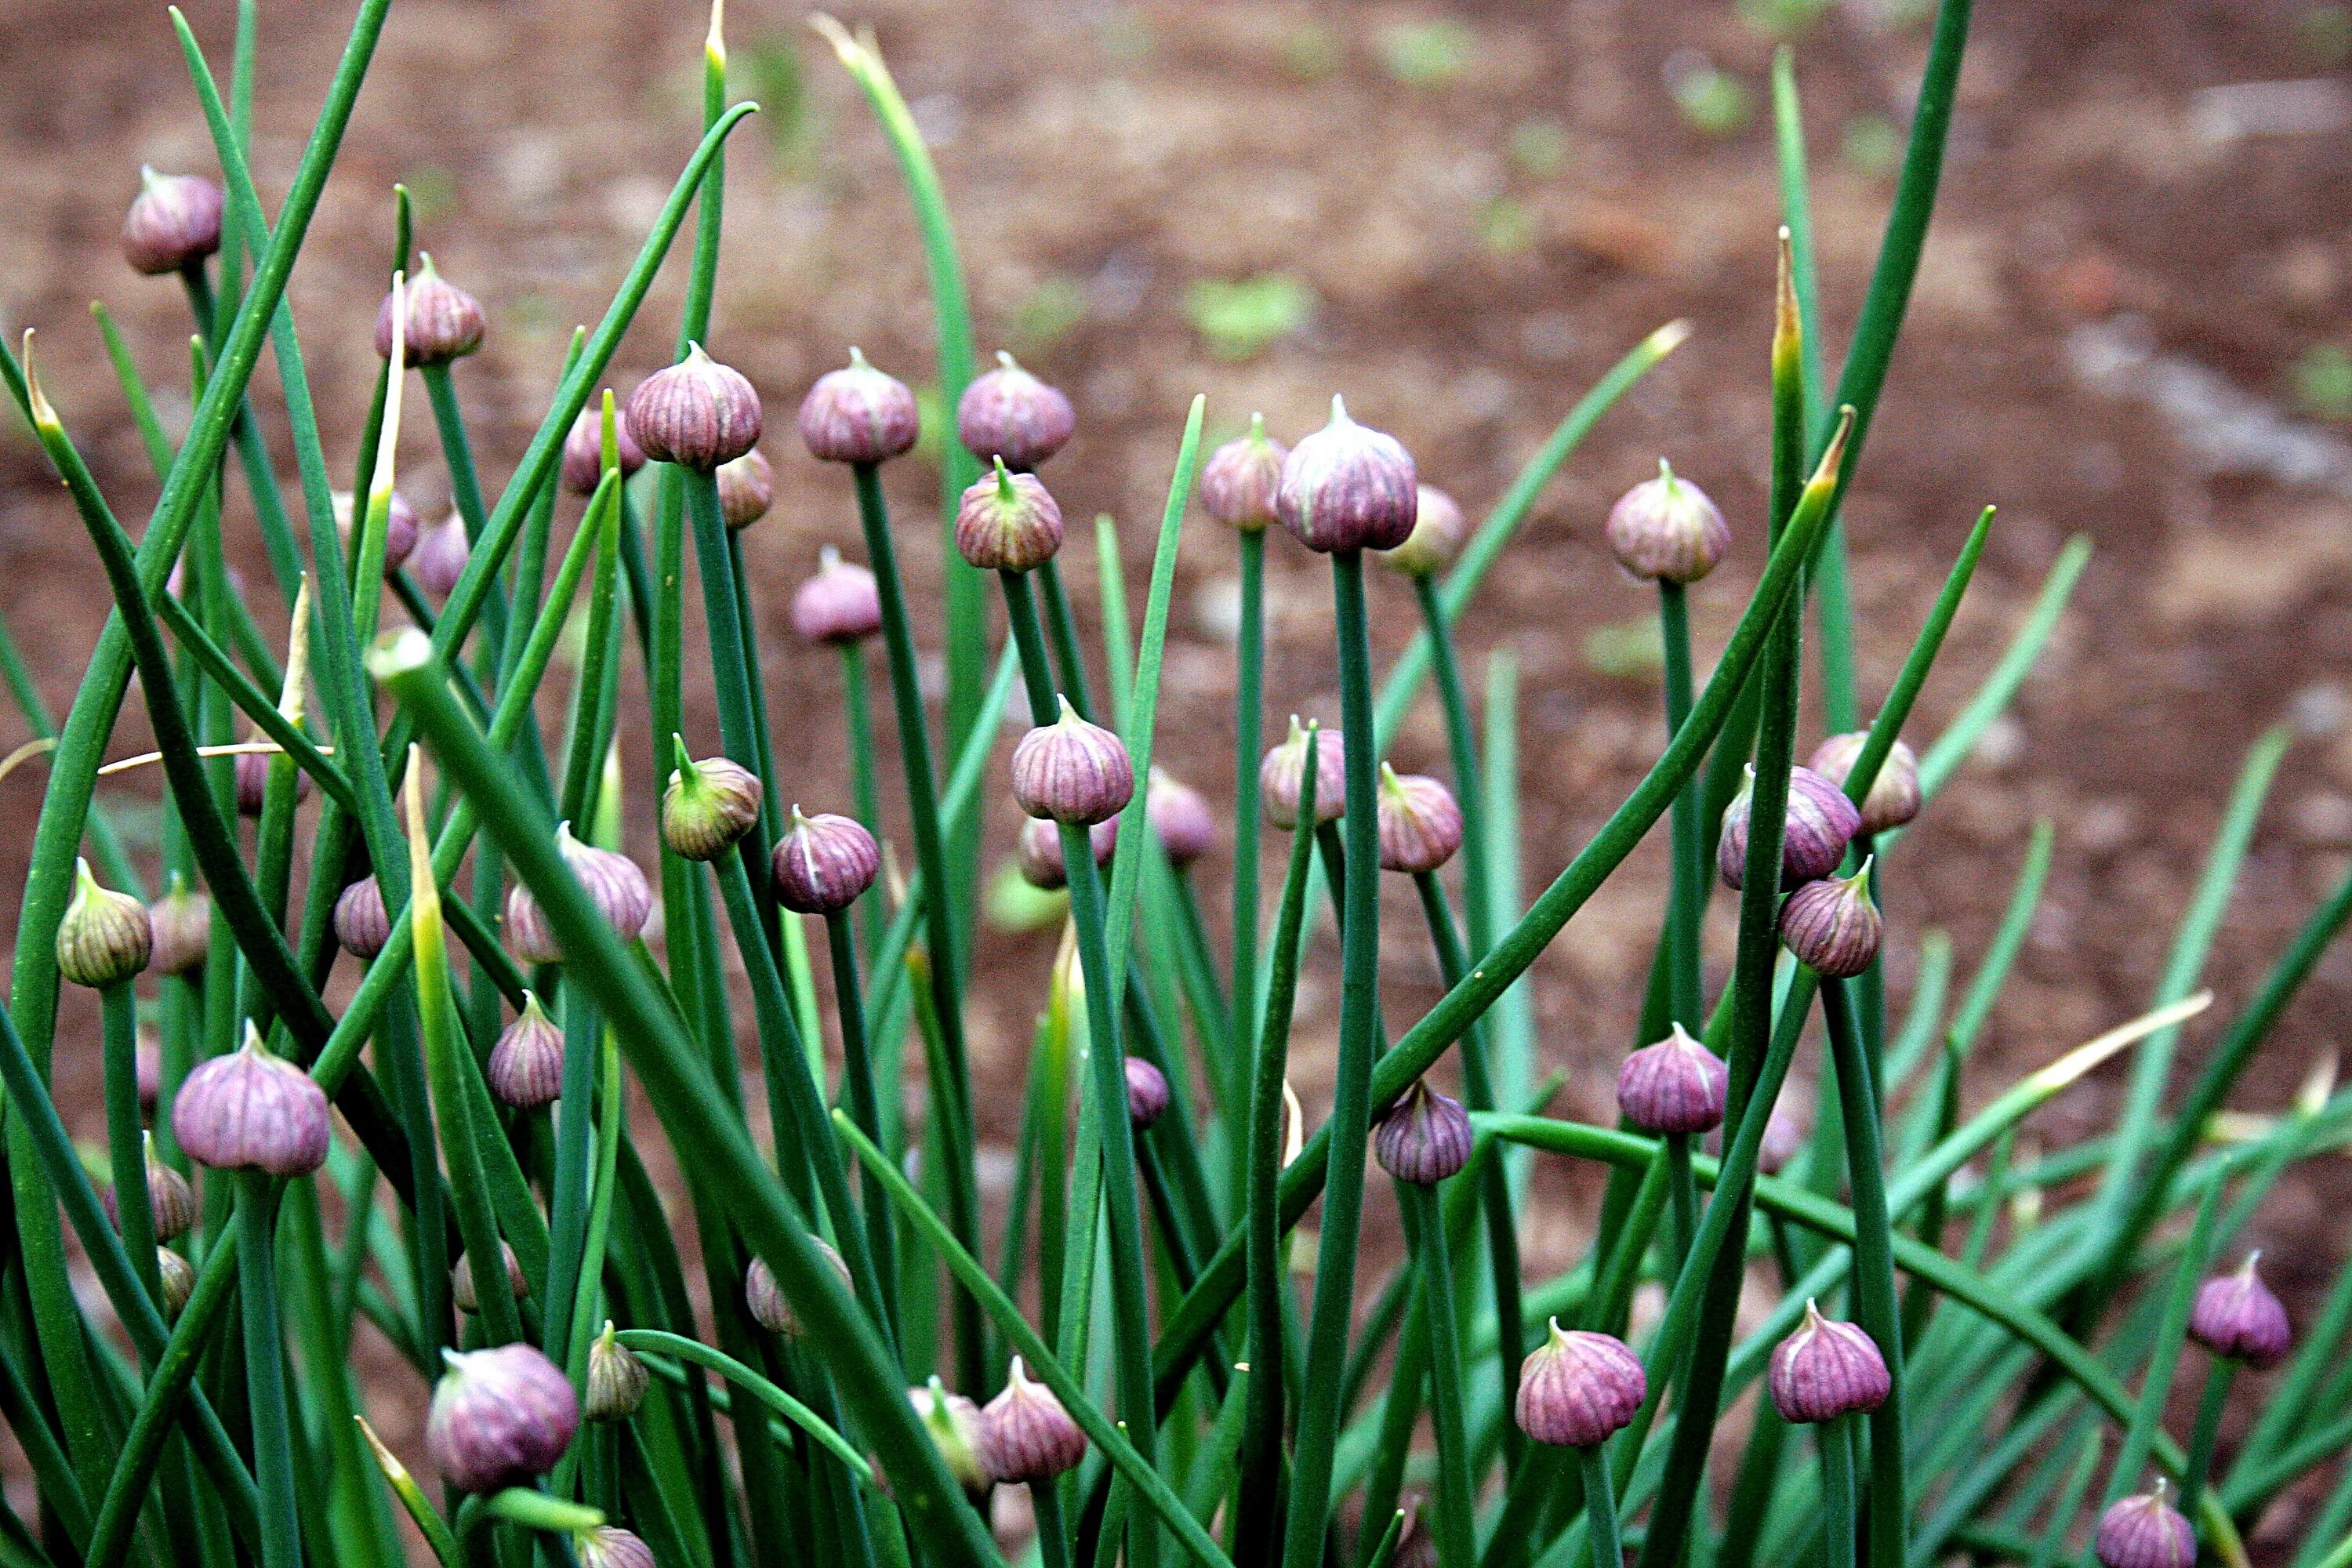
{"type": "Point", "coordinates": [525, 1066]}
{"type": "Point", "coordinates": [1282, 776]}
{"type": "Point", "coordinates": [859, 415]}
{"type": "Point", "coordinates": [824, 863]}
{"type": "Point", "coordinates": [181, 925]}
{"type": "Point", "coordinates": [1825, 1370]}
{"type": "Point", "coordinates": [175, 222]}
{"type": "Point", "coordinates": [1419, 822]}
{"type": "Point", "coordinates": [1024, 1435]}
{"type": "Point", "coordinates": [1832, 925]}
{"type": "Point", "coordinates": [617, 1380]}
{"type": "Point", "coordinates": [1893, 797]}
{"type": "Point", "coordinates": [2145, 1531]}
{"type": "Point", "coordinates": [1578, 1389]}
{"type": "Point", "coordinates": [1008, 416]}
{"type": "Point", "coordinates": [841, 604]}
{"type": "Point", "coordinates": [1007, 522]}
{"type": "Point", "coordinates": [697, 413]}
{"type": "Point", "coordinates": [708, 806]}
{"type": "Point", "coordinates": [104, 938]}
{"type": "Point", "coordinates": [1820, 822]}
{"type": "Point", "coordinates": [2237, 1318]}
{"type": "Point", "coordinates": [499, 1418]}
{"type": "Point", "coordinates": [1072, 771]}
{"type": "Point", "coordinates": [1676, 1086]}
{"type": "Point", "coordinates": [1438, 531]}
{"type": "Point", "coordinates": [1348, 487]}
{"type": "Point", "coordinates": [248, 1109]}
{"type": "Point", "coordinates": [1239, 477]}
{"type": "Point", "coordinates": [1424, 1138]}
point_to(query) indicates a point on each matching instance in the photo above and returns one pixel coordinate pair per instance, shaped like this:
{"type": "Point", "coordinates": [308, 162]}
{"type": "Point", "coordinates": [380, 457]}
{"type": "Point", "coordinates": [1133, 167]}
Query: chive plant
{"type": "Point", "coordinates": [1162, 1361]}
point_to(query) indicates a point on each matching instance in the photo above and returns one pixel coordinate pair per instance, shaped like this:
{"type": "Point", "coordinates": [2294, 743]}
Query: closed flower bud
{"type": "Point", "coordinates": [1783, 1142]}
{"type": "Point", "coordinates": [1282, 777]}
{"type": "Point", "coordinates": [1675, 1085]}
{"type": "Point", "coordinates": [954, 1422]}
{"type": "Point", "coordinates": [1348, 487]}
{"type": "Point", "coordinates": [177, 1278]}
{"type": "Point", "coordinates": [500, 1418]}
{"type": "Point", "coordinates": [859, 415]}
{"type": "Point", "coordinates": [1238, 481]}
{"type": "Point", "coordinates": [170, 1202]}
{"type": "Point", "coordinates": [1666, 528]}
{"type": "Point", "coordinates": [175, 222]}
{"type": "Point", "coordinates": [253, 781]}
{"type": "Point", "coordinates": [1007, 522]}
{"type": "Point", "coordinates": [249, 1110]}
{"type": "Point", "coordinates": [1439, 531]}
{"type": "Point", "coordinates": [1010, 415]}
{"type": "Point", "coordinates": [1147, 1092]}
{"type": "Point", "coordinates": [2145, 1532]}
{"type": "Point", "coordinates": [583, 450]}
{"type": "Point", "coordinates": [363, 925]}
{"type": "Point", "coordinates": [1577, 1388]}
{"type": "Point", "coordinates": [465, 1290]}
{"type": "Point", "coordinates": [1038, 852]}
{"type": "Point", "coordinates": [823, 863]}
{"type": "Point", "coordinates": [1024, 1434]}
{"type": "Point", "coordinates": [2238, 1319]}
{"type": "Point", "coordinates": [1825, 1370]}
{"type": "Point", "coordinates": [401, 536]}
{"type": "Point", "coordinates": [1421, 825]}
{"type": "Point", "coordinates": [149, 1056]}
{"type": "Point", "coordinates": [766, 1298]}
{"type": "Point", "coordinates": [1072, 771]}
{"type": "Point", "coordinates": [613, 883]}
{"type": "Point", "coordinates": [1832, 925]}
{"type": "Point", "coordinates": [708, 806]}
{"type": "Point", "coordinates": [610, 1546]}
{"type": "Point", "coordinates": [1180, 818]}
{"type": "Point", "coordinates": [617, 1380]}
{"type": "Point", "coordinates": [442, 551]}
{"type": "Point", "coordinates": [444, 322]}
{"type": "Point", "coordinates": [1821, 822]}
{"type": "Point", "coordinates": [747, 489]}
{"type": "Point", "coordinates": [180, 927]}
{"type": "Point", "coordinates": [840, 603]}
{"type": "Point", "coordinates": [1416, 1544]}
{"type": "Point", "coordinates": [697, 413]}
{"type": "Point", "coordinates": [104, 938]}
{"type": "Point", "coordinates": [526, 1065]}
{"type": "Point", "coordinates": [1424, 1138]}
{"type": "Point", "coordinates": [1893, 797]}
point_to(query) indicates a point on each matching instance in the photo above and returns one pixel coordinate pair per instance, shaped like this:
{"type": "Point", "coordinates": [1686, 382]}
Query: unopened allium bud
{"type": "Point", "coordinates": [1832, 925]}
{"type": "Point", "coordinates": [499, 1418]}
{"type": "Point", "coordinates": [1424, 1138]}
{"type": "Point", "coordinates": [841, 604]}
{"type": "Point", "coordinates": [1024, 1434]}
{"type": "Point", "coordinates": [1007, 522]}
{"type": "Point", "coordinates": [464, 1292]}
{"type": "Point", "coordinates": [442, 551]}
{"type": "Point", "coordinates": [443, 321]}
{"type": "Point", "coordinates": [1667, 528]}
{"type": "Point", "coordinates": [247, 1110]}
{"type": "Point", "coordinates": [1180, 818]}
{"type": "Point", "coordinates": [1783, 1142]}
{"type": "Point", "coordinates": [1282, 776]}
{"type": "Point", "coordinates": [697, 413]}
{"type": "Point", "coordinates": [766, 1298]}
{"type": "Point", "coordinates": [1825, 1370]}
{"type": "Point", "coordinates": [954, 1422]}
{"type": "Point", "coordinates": [401, 535]}
{"type": "Point", "coordinates": [747, 489]}
{"type": "Point", "coordinates": [181, 924]}
{"type": "Point", "coordinates": [824, 863]}
{"type": "Point", "coordinates": [1439, 531]}
{"type": "Point", "coordinates": [170, 1202]}
{"type": "Point", "coordinates": [363, 925]}
{"type": "Point", "coordinates": [1038, 851]}
{"type": "Point", "coordinates": [1675, 1085]}
{"type": "Point", "coordinates": [610, 1546]}
{"type": "Point", "coordinates": [1147, 1092]}
{"type": "Point", "coordinates": [1348, 487]}
{"type": "Point", "coordinates": [2145, 1532]}
{"type": "Point", "coordinates": [1820, 823]}
{"type": "Point", "coordinates": [525, 1066]}
{"type": "Point", "coordinates": [1893, 797]}
{"type": "Point", "coordinates": [2238, 1319]}
{"type": "Point", "coordinates": [177, 1278]}
{"type": "Point", "coordinates": [175, 222]}
{"type": "Point", "coordinates": [253, 781]}
{"type": "Point", "coordinates": [149, 1056]}
{"type": "Point", "coordinates": [583, 450]}
{"type": "Point", "coordinates": [1416, 1544]}
{"type": "Point", "coordinates": [1238, 481]}
{"type": "Point", "coordinates": [1576, 1389]}
{"type": "Point", "coordinates": [613, 883]}
{"type": "Point", "coordinates": [708, 806]}
{"type": "Point", "coordinates": [1010, 415]}
{"type": "Point", "coordinates": [1072, 771]}
{"type": "Point", "coordinates": [617, 1380]}
{"type": "Point", "coordinates": [858, 415]}
{"type": "Point", "coordinates": [1420, 822]}
{"type": "Point", "coordinates": [104, 938]}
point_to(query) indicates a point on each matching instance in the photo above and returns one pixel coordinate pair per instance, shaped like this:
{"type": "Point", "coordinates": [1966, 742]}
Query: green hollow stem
{"type": "Point", "coordinates": [1835, 1440]}
{"type": "Point", "coordinates": [265, 1372]}
{"type": "Point", "coordinates": [465, 491]}
{"type": "Point", "coordinates": [1249, 717]}
{"type": "Point", "coordinates": [1687, 898]}
{"type": "Point", "coordinates": [1052, 1532]}
{"type": "Point", "coordinates": [1875, 1306]}
{"type": "Point", "coordinates": [661, 1342]}
{"type": "Point", "coordinates": [1462, 755]}
{"type": "Point", "coordinates": [1456, 1522]}
{"type": "Point", "coordinates": [2219, 1370]}
{"type": "Point", "coordinates": [126, 1148]}
{"type": "Point", "coordinates": [865, 1106]}
{"type": "Point", "coordinates": [1600, 1506]}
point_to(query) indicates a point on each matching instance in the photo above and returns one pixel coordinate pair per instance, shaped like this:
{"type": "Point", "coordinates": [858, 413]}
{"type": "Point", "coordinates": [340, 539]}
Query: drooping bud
{"type": "Point", "coordinates": [363, 925]}
{"type": "Point", "coordinates": [1147, 1092]}
{"type": "Point", "coordinates": [175, 222]}
{"type": "Point", "coordinates": [617, 1380]}
{"type": "Point", "coordinates": [170, 1202]}
{"type": "Point", "coordinates": [1579, 1388]}
{"type": "Point", "coordinates": [613, 883]}
{"type": "Point", "coordinates": [2238, 1319]}
{"type": "Point", "coordinates": [583, 450]}
{"type": "Point", "coordinates": [1825, 1370]}
{"type": "Point", "coordinates": [499, 1418]}
{"type": "Point", "coordinates": [858, 415]}
{"type": "Point", "coordinates": [525, 1066]}
{"type": "Point", "coordinates": [954, 1422]}
{"type": "Point", "coordinates": [1012, 416]}
{"type": "Point", "coordinates": [1893, 797]}
{"type": "Point", "coordinates": [823, 863]}
{"type": "Point", "coordinates": [1438, 531]}
{"type": "Point", "coordinates": [1282, 775]}
{"type": "Point", "coordinates": [1038, 851]}
{"type": "Point", "coordinates": [1424, 1138]}
{"type": "Point", "coordinates": [697, 413]}
{"type": "Point", "coordinates": [249, 1110]}
{"type": "Point", "coordinates": [401, 536]}
{"type": "Point", "coordinates": [1179, 816]}
{"type": "Point", "coordinates": [1667, 530]}
{"type": "Point", "coordinates": [1007, 522]}
{"type": "Point", "coordinates": [1348, 487]}
{"type": "Point", "coordinates": [1832, 925]}
{"type": "Point", "coordinates": [442, 551]}
{"type": "Point", "coordinates": [1421, 825]}
{"type": "Point", "coordinates": [2145, 1532]}
{"type": "Point", "coordinates": [1072, 771]}
{"type": "Point", "coordinates": [444, 322]}
{"type": "Point", "coordinates": [766, 1298]}
{"type": "Point", "coordinates": [104, 938]}
{"type": "Point", "coordinates": [708, 806]}
{"type": "Point", "coordinates": [1238, 481]}
{"type": "Point", "coordinates": [610, 1546]}
{"type": "Point", "coordinates": [177, 1278]}
{"type": "Point", "coordinates": [841, 604]}
{"type": "Point", "coordinates": [1024, 1434]}
{"type": "Point", "coordinates": [1675, 1085]}
{"type": "Point", "coordinates": [180, 924]}
{"type": "Point", "coordinates": [747, 489]}
{"type": "Point", "coordinates": [1820, 823]}
{"type": "Point", "coordinates": [464, 1292]}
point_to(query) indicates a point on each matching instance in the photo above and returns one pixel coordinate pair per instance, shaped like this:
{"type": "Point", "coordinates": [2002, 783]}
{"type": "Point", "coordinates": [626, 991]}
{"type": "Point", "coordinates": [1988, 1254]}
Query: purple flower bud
{"type": "Point", "coordinates": [1832, 925]}
{"type": "Point", "coordinates": [1180, 818]}
{"type": "Point", "coordinates": [1011, 415]}
{"type": "Point", "coordinates": [766, 1298]}
{"type": "Point", "coordinates": [1820, 823]}
{"type": "Point", "coordinates": [1421, 825]}
{"type": "Point", "coordinates": [104, 938]}
{"type": "Point", "coordinates": [1783, 1142]}
{"type": "Point", "coordinates": [1675, 1085]}
{"type": "Point", "coordinates": [170, 1202]}
{"type": "Point", "coordinates": [1072, 771]}
{"type": "Point", "coordinates": [525, 1066]}
{"type": "Point", "coordinates": [2238, 1319]}
{"type": "Point", "coordinates": [1007, 521]}
{"type": "Point", "coordinates": [1282, 777]}
{"type": "Point", "coordinates": [175, 222]}
{"type": "Point", "coordinates": [1893, 797]}
{"type": "Point", "coordinates": [859, 415]}
{"type": "Point", "coordinates": [444, 322]}
{"type": "Point", "coordinates": [400, 529]}
{"type": "Point", "coordinates": [1424, 1138]}
{"type": "Point", "coordinates": [1666, 529]}
{"type": "Point", "coordinates": [442, 551]}
{"type": "Point", "coordinates": [954, 1422]}
{"type": "Point", "coordinates": [181, 924]}
{"type": "Point", "coordinates": [499, 1418]}
{"type": "Point", "coordinates": [697, 413]}
{"type": "Point", "coordinates": [1825, 1370]}
{"type": "Point", "coordinates": [708, 806]}
{"type": "Point", "coordinates": [363, 925]}
{"type": "Point", "coordinates": [1577, 1388]}
{"type": "Point", "coordinates": [249, 1110]}
{"type": "Point", "coordinates": [464, 1292]}
{"type": "Point", "coordinates": [177, 1278]}
{"type": "Point", "coordinates": [1024, 1434]}
{"type": "Point", "coordinates": [823, 863]}
{"type": "Point", "coordinates": [1238, 481]}
{"type": "Point", "coordinates": [1038, 851]}
{"type": "Point", "coordinates": [610, 1546]}
{"type": "Point", "coordinates": [2145, 1532]}
{"type": "Point", "coordinates": [1147, 1092]}
{"type": "Point", "coordinates": [583, 450]}
{"type": "Point", "coordinates": [1438, 531]}
{"type": "Point", "coordinates": [253, 781]}
{"type": "Point", "coordinates": [617, 1380]}
{"type": "Point", "coordinates": [841, 604]}
{"type": "Point", "coordinates": [1416, 1544]}
{"type": "Point", "coordinates": [1348, 487]}
{"type": "Point", "coordinates": [613, 883]}
{"type": "Point", "coordinates": [149, 1055]}
{"type": "Point", "coordinates": [747, 489]}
